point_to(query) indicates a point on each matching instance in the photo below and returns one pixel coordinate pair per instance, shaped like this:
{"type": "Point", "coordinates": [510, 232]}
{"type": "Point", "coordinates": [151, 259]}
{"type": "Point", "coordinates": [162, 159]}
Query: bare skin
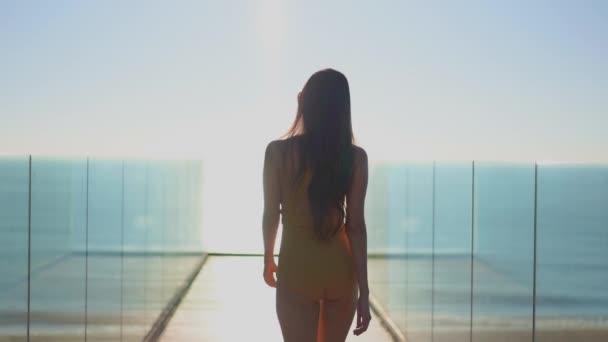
{"type": "Point", "coordinates": [305, 319]}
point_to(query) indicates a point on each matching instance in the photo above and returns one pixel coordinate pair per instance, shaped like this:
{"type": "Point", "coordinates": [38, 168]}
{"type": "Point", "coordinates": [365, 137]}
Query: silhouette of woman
{"type": "Point", "coordinates": [315, 180]}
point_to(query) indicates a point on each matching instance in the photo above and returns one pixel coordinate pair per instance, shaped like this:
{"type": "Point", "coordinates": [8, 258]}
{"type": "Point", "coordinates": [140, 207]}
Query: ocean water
{"type": "Point", "coordinates": [106, 241]}
{"type": "Point", "coordinates": [454, 248]}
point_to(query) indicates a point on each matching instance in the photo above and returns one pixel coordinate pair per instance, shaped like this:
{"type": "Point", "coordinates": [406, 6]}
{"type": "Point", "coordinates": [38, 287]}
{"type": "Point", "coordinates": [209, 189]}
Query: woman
{"type": "Point", "coordinates": [316, 180]}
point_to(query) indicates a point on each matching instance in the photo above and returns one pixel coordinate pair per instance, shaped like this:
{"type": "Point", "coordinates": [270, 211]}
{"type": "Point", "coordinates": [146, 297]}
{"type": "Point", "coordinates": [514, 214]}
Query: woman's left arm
{"type": "Point", "coordinates": [270, 220]}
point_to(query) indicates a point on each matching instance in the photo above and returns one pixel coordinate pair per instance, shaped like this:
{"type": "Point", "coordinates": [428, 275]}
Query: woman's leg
{"type": "Point", "coordinates": [337, 317]}
{"type": "Point", "coordinates": [298, 315]}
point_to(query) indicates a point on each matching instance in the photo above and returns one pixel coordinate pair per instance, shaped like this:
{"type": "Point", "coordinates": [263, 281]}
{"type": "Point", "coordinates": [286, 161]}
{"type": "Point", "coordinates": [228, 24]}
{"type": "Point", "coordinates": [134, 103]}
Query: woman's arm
{"type": "Point", "coordinates": [357, 234]}
{"type": "Point", "coordinates": [270, 219]}
{"type": "Point", "coordinates": [355, 219]}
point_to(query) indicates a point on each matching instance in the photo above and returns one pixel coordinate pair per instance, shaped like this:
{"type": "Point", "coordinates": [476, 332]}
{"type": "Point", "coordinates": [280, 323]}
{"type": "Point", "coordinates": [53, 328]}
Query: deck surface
{"type": "Point", "coordinates": [229, 301]}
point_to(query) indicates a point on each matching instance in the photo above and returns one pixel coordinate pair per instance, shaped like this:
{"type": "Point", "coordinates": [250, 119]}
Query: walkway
{"type": "Point", "coordinates": [230, 302]}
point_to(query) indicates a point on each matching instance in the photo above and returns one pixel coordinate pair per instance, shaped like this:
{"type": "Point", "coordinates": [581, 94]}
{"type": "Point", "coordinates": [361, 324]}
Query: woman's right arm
{"type": "Point", "coordinates": [357, 234]}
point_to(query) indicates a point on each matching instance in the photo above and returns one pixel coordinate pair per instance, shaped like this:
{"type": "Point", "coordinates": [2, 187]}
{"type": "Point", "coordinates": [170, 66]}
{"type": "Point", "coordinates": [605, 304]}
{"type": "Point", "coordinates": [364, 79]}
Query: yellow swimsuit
{"type": "Point", "coordinates": [317, 269]}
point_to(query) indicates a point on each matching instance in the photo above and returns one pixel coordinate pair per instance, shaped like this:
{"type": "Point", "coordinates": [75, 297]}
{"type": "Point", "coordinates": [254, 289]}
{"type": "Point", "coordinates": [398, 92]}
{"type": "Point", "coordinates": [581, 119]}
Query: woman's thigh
{"type": "Point", "coordinates": [298, 315]}
{"type": "Point", "coordinates": [337, 317]}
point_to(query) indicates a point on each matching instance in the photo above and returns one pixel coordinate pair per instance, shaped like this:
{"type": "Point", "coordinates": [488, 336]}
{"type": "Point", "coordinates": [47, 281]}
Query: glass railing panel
{"type": "Point", "coordinates": [104, 271]}
{"type": "Point", "coordinates": [376, 218]}
{"type": "Point", "coordinates": [503, 249]}
{"type": "Point", "coordinates": [376, 208]}
{"type": "Point", "coordinates": [419, 251]}
{"type": "Point", "coordinates": [134, 238]}
{"type": "Point", "coordinates": [169, 224]}
{"type": "Point", "coordinates": [184, 242]}
{"type": "Point", "coordinates": [14, 198]}
{"type": "Point", "coordinates": [452, 252]}
{"type": "Point", "coordinates": [111, 244]}
{"type": "Point", "coordinates": [155, 223]}
{"type": "Point", "coordinates": [173, 223]}
{"type": "Point", "coordinates": [192, 207]}
{"type": "Point", "coordinates": [386, 226]}
{"type": "Point", "coordinates": [58, 245]}
{"type": "Point", "coordinates": [178, 264]}
{"type": "Point", "coordinates": [572, 253]}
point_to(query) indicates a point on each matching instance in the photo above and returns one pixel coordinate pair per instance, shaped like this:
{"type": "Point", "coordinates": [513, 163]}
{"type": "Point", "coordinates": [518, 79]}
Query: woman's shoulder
{"type": "Point", "coordinates": [359, 153]}
{"type": "Point", "coordinates": [359, 150]}
{"type": "Point", "coordinates": [274, 145]}
{"type": "Point", "coordinates": [279, 145]}
{"type": "Point", "coordinates": [277, 148]}
{"type": "Point", "coordinates": [273, 150]}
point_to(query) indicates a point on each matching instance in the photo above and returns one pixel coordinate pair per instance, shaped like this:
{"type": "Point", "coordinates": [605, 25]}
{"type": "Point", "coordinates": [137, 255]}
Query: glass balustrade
{"type": "Point", "coordinates": [483, 251]}
{"type": "Point", "coordinates": [94, 248]}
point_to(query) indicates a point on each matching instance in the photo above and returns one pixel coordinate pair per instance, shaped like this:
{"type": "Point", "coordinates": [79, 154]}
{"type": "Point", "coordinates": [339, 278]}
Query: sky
{"type": "Point", "coordinates": [218, 80]}
{"type": "Point", "coordinates": [512, 80]}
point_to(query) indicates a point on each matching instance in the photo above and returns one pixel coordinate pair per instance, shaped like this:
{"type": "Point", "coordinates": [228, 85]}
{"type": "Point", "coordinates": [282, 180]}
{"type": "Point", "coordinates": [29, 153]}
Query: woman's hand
{"type": "Point", "coordinates": [270, 268]}
{"type": "Point", "coordinates": [363, 315]}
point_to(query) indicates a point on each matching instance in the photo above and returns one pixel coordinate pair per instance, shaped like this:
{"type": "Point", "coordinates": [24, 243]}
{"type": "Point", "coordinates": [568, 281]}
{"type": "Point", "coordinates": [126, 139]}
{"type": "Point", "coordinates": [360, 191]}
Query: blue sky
{"type": "Point", "coordinates": [443, 80]}
{"type": "Point", "coordinates": [499, 80]}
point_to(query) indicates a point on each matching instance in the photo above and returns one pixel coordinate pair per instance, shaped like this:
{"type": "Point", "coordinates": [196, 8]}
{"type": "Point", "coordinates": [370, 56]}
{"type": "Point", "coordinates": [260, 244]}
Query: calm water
{"type": "Point", "coordinates": [430, 219]}
{"type": "Point", "coordinates": [111, 242]}
{"type": "Point", "coordinates": [427, 218]}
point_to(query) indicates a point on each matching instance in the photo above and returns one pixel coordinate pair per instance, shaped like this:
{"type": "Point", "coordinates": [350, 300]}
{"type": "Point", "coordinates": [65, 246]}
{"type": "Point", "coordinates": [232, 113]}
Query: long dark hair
{"type": "Point", "coordinates": [323, 124]}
